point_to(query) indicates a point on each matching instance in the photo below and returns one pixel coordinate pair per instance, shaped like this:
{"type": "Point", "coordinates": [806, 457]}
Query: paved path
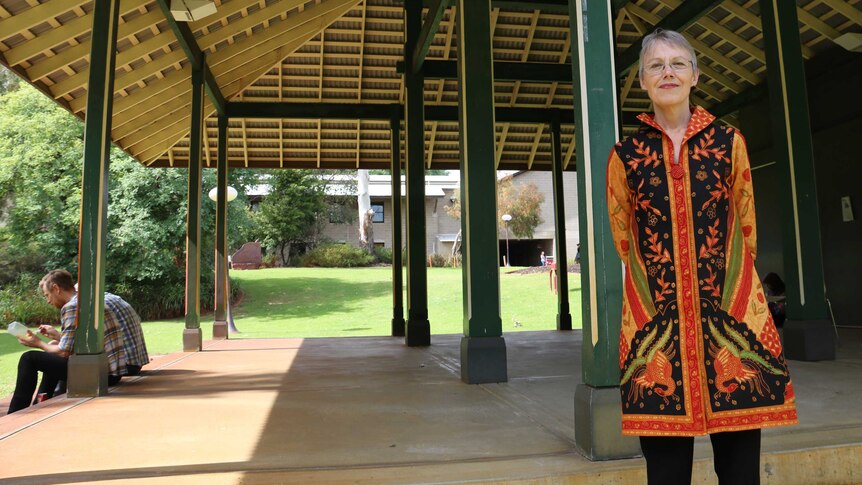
{"type": "Point", "coordinates": [371, 410]}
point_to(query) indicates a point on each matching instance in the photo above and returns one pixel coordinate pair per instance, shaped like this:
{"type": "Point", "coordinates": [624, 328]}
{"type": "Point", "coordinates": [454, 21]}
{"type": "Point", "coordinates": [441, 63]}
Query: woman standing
{"type": "Point", "coordinates": [699, 352]}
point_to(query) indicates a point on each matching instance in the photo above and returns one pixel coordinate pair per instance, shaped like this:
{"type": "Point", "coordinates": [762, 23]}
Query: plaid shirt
{"type": "Point", "coordinates": [124, 340]}
{"type": "Point", "coordinates": [130, 324]}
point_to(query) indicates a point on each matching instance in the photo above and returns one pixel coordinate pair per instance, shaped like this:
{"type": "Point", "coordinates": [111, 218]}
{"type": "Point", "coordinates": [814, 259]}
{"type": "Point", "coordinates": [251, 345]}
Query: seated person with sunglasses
{"type": "Point", "coordinates": [124, 341]}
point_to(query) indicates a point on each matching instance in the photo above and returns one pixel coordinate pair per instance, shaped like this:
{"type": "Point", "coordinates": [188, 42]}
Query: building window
{"type": "Point", "coordinates": [378, 212]}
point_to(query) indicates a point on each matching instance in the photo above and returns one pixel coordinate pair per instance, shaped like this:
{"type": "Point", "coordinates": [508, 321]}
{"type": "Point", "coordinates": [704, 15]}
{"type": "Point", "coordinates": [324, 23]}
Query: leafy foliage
{"type": "Point", "coordinates": [437, 260]}
{"type": "Point", "coordinates": [337, 256]}
{"type": "Point", "coordinates": [23, 301]}
{"type": "Point", "coordinates": [384, 255]}
{"type": "Point", "coordinates": [40, 175]}
{"type": "Point", "coordinates": [292, 212]}
{"type": "Point", "coordinates": [40, 193]}
{"type": "Point", "coordinates": [378, 171]}
{"type": "Point", "coordinates": [8, 80]}
{"type": "Point", "coordinates": [522, 202]}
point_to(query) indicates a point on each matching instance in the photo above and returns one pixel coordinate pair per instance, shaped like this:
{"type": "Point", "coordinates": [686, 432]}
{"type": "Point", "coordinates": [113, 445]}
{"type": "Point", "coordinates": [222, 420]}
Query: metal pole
{"type": "Point", "coordinates": [507, 245]}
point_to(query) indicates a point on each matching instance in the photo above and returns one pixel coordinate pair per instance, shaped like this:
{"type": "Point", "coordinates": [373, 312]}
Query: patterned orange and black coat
{"type": "Point", "coordinates": [699, 352]}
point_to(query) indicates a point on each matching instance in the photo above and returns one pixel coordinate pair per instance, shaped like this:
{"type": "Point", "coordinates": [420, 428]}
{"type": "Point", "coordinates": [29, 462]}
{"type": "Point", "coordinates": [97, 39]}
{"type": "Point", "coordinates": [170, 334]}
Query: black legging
{"type": "Point", "coordinates": [737, 458]}
{"type": "Point", "coordinates": [53, 369]}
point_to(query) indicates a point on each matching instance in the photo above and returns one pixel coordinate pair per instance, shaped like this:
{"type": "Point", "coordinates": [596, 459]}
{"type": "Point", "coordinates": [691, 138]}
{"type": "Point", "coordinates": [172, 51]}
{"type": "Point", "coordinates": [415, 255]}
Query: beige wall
{"type": "Point", "coordinates": [437, 222]}
{"type": "Point", "coordinates": [544, 182]}
{"type": "Point", "coordinates": [349, 233]}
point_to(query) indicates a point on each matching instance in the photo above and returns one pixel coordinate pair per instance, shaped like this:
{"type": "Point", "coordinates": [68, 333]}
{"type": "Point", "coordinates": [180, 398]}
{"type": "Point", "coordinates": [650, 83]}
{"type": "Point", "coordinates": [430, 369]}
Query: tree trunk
{"type": "Point", "coordinates": [284, 259]}
{"type": "Point", "coordinates": [366, 238]}
{"type": "Point", "coordinates": [368, 227]}
{"type": "Point", "coordinates": [456, 244]}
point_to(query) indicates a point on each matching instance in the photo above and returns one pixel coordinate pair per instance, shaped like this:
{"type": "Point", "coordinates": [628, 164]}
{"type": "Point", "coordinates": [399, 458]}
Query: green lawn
{"type": "Point", "coordinates": [337, 302]}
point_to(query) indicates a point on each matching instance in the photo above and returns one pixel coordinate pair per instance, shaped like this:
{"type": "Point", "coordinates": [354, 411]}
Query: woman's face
{"type": "Point", "coordinates": [667, 75]}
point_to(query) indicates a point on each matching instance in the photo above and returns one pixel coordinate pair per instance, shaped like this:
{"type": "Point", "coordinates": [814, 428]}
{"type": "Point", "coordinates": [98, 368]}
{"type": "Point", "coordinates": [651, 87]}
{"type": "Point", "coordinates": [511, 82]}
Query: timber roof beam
{"type": "Point", "coordinates": [503, 71]}
{"type": "Point", "coordinates": [368, 111]}
{"type": "Point", "coordinates": [187, 42]}
{"type": "Point", "coordinates": [549, 6]}
{"type": "Point", "coordinates": [679, 19]}
{"type": "Point", "coordinates": [429, 30]}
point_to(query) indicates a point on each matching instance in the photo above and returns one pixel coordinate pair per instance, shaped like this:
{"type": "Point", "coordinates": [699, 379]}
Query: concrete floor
{"type": "Point", "coordinates": [371, 410]}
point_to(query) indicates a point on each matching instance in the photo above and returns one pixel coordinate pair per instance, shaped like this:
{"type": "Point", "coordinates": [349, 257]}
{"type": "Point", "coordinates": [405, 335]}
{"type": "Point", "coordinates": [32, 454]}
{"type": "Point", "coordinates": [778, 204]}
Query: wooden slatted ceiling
{"type": "Point", "coordinates": [346, 51]}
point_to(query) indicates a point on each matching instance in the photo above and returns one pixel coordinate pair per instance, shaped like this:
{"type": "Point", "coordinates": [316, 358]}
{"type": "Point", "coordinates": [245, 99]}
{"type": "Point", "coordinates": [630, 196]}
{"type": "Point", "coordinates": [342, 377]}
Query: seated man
{"type": "Point", "coordinates": [124, 342]}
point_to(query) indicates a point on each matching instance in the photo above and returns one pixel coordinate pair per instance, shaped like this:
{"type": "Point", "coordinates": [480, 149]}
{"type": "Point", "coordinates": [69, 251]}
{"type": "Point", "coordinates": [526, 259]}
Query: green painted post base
{"type": "Point", "coordinates": [598, 425]}
{"type": "Point", "coordinates": [220, 330]}
{"type": "Point", "coordinates": [87, 375]}
{"type": "Point", "coordinates": [418, 333]}
{"type": "Point", "coordinates": [483, 360]}
{"type": "Point", "coordinates": [809, 340]}
{"type": "Point", "coordinates": [564, 321]}
{"type": "Point", "coordinates": [192, 340]}
{"type": "Point", "coordinates": [398, 324]}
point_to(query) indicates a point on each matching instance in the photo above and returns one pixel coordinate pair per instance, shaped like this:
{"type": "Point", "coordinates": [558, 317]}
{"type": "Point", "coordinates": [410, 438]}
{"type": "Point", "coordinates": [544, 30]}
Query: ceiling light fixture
{"type": "Point", "coordinates": [192, 10]}
{"type": "Point", "coordinates": [851, 41]}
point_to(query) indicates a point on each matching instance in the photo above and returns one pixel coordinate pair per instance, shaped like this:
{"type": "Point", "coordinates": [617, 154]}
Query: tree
{"type": "Point", "coordinates": [40, 196]}
{"type": "Point", "coordinates": [380, 171]}
{"type": "Point", "coordinates": [8, 80]}
{"type": "Point", "coordinates": [453, 210]}
{"type": "Point", "coordinates": [363, 202]}
{"type": "Point", "coordinates": [523, 203]}
{"type": "Point", "coordinates": [40, 176]}
{"type": "Point", "coordinates": [292, 211]}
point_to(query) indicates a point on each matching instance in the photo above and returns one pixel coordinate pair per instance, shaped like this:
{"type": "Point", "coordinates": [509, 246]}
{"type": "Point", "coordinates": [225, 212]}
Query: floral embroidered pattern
{"type": "Point", "coordinates": [648, 156]}
{"type": "Point", "coordinates": [736, 366]}
{"type": "Point", "coordinates": [708, 359]}
{"type": "Point", "coordinates": [653, 370]}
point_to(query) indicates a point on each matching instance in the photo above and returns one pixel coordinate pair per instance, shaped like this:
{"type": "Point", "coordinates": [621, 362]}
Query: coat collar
{"type": "Point", "coordinates": [700, 119]}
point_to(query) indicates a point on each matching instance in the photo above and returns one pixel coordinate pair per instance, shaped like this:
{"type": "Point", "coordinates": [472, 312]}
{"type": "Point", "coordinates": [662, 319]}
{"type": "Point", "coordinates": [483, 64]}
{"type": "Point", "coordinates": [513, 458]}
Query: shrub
{"type": "Point", "coordinates": [437, 260]}
{"type": "Point", "coordinates": [384, 255]}
{"type": "Point", "coordinates": [157, 301]}
{"type": "Point", "coordinates": [269, 261]}
{"type": "Point", "coordinates": [22, 301]}
{"type": "Point", "coordinates": [337, 256]}
{"type": "Point", "coordinates": [455, 261]}
{"type": "Point", "coordinates": [153, 301]}
{"type": "Point", "coordinates": [15, 261]}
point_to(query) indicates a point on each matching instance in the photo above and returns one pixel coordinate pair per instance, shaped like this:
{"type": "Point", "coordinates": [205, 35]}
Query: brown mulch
{"type": "Point", "coordinates": [575, 268]}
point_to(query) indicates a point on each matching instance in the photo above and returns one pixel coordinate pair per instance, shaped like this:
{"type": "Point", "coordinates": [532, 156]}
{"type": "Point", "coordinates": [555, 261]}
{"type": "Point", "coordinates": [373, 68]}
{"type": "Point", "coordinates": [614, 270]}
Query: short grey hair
{"type": "Point", "coordinates": [671, 37]}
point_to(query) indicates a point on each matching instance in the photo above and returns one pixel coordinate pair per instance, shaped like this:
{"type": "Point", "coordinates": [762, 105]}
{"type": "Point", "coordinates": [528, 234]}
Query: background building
{"type": "Point", "coordinates": [441, 230]}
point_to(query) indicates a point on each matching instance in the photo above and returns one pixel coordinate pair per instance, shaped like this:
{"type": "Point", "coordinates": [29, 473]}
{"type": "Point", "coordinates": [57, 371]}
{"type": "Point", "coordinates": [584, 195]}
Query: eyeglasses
{"type": "Point", "coordinates": [659, 67]}
{"type": "Point", "coordinates": [47, 293]}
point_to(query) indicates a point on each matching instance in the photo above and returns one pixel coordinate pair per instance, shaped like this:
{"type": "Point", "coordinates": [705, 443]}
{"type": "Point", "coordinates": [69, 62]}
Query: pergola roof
{"type": "Point", "coordinates": [346, 51]}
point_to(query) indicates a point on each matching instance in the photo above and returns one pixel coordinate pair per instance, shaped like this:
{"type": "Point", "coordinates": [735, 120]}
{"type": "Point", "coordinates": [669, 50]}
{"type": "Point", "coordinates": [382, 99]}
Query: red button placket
{"type": "Point", "coordinates": [684, 260]}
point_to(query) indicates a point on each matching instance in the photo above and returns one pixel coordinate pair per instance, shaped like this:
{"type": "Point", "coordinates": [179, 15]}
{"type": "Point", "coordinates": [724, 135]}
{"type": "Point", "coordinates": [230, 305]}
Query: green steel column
{"type": "Point", "coordinates": [483, 349]}
{"type": "Point", "coordinates": [88, 365]}
{"type": "Point", "coordinates": [564, 316]}
{"type": "Point", "coordinates": [598, 417]}
{"type": "Point", "coordinates": [465, 258]}
{"type": "Point", "coordinates": [808, 333]}
{"type": "Point", "coordinates": [192, 337]}
{"type": "Point", "coordinates": [418, 328]}
{"type": "Point", "coordinates": [397, 281]}
{"type": "Point", "coordinates": [220, 327]}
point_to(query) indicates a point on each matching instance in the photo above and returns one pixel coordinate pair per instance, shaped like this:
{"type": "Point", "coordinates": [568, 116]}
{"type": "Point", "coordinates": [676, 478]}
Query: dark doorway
{"type": "Point", "coordinates": [526, 252]}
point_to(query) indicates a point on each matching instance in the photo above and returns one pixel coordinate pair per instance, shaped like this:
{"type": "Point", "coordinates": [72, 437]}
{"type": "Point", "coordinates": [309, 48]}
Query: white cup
{"type": "Point", "coordinates": [17, 329]}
